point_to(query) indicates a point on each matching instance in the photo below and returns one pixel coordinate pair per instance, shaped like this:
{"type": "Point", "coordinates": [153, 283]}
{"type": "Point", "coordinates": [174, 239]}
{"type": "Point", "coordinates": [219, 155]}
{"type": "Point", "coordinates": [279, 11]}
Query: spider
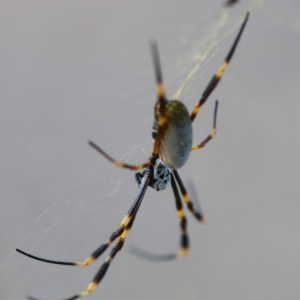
{"type": "Point", "coordinates": [172, 135]}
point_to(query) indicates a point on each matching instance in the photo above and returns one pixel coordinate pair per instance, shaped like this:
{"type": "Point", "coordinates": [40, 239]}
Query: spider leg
{"type": "Point", "coordinates": [183, 221]}
{"type": "Point", "coordinates": [216, 78]}
{"type": "Point", "coordinates": [117, 163]}
{"type": "Point", "coordinates": [128, 221]}
{"type": "Point", "coordinates": [161, 97]}
{"type": "Point", "coordinates": [103, 269]}
{"type": "Point", "coordinates": [184, 241]}
{"type": "Point", "coordinates": [186, 198]}
{"type": "Point", "coordinates": [95, 255]}
{"type": "Point", "coordinates": [212, 133]}
{"type": "Point", "coordinates": [121, 233]}
{"type": "Point", "coordinates": [160, 106]}
{"type": "Point", "coordinates": [159, 111]}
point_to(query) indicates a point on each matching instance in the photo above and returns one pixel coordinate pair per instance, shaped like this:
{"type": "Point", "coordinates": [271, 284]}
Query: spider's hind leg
{"type": "Point", "coordinates": [121, 234]}
{"type": "Point", "coordinates": [184, 240]}
{"type": "Point", "coordinates": [187, 199]}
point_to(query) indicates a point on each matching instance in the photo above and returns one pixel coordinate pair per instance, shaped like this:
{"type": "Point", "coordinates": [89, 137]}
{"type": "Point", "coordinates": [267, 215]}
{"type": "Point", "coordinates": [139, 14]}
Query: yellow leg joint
{"type": "Point", "coordinates": [86, 263]}
{"type": "Point", "coordinates": [119, 164]}
{"type": "Point", "coordinates": [203, 220]}
{"type": "Point", "coordinates": [186, 197]}
{"type": "Point", "coordinates": [89, 289]}
{"type": "Point", "coordinates": [213, 133]}
{"type": "Point", "coordinates": [222, 69]}
{"type": "Point", "coordinates": [124, 234]}
{"type": "Point", "coordinates": [160, 90]}
{"type": "Point", "coordinates": [184, 252]}
{"type": "Point", "coordinates": [180, 213]}
{"type": "Point", "coordinates": [125, 221]}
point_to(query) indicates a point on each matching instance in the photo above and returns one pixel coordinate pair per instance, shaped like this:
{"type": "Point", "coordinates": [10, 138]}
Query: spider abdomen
{"type": "Point", "coordinates": [177, 138]}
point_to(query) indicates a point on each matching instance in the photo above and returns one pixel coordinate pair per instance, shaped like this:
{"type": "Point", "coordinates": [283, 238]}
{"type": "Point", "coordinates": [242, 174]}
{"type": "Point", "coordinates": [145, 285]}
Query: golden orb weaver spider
{"type": "Point", "coordinates": [172, 134]}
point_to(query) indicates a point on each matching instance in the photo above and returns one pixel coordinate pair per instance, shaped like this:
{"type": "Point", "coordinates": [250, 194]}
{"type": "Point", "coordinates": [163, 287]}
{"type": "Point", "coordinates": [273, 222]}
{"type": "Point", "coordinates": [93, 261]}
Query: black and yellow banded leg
{"type": "Point", "coordinates": [158, 74]}
{"type": "Point", "coordinates": [160, 106]}
{"type": "Point", "coordinates": [184, 240]}
{"type": "Point", "coordinates": [219, 74]}
{"type": "Point", "coordinates": [94, 256]}
{"type": "Point", "coordinates": [183, 221]}
{"type": "Point", "coordinates": [117, 163]}
{"type": "Point", "coordinates": [186, 198]}
{"type": "Point", "coordinates": [212, 133]}
{"type": "Point", "coordinates": [117, 234]}
{"type": "Point", "coordinates": [102, 271]}
{"type": "Point", "coordinates": [120, 233]}
{"type": "Point", "coordinates": [159, 111]}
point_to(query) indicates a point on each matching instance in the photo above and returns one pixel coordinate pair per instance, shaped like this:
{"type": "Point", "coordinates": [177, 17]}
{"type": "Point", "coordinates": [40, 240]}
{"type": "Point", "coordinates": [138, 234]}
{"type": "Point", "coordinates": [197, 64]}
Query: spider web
{"type": "Point", "coordinates": [61, 198]}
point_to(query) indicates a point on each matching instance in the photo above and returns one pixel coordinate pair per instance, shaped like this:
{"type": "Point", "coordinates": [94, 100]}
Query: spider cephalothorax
{"type": "Point", "coordinates": [161, 176]}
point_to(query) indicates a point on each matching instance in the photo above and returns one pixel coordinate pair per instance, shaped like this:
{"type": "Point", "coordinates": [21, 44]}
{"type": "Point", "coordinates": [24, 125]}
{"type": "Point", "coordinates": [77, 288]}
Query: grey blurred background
{"type": "Point", "coordinates": [78, 70]}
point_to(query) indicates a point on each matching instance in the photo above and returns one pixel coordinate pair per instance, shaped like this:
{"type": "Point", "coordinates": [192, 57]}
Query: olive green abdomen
{"type": "Point", "coordinates": [177, 138]}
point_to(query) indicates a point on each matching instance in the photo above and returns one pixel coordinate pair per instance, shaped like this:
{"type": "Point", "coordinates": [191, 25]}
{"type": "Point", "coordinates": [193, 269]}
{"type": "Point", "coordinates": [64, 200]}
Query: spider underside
{"type": "Point", "coordinates": [161, 176]}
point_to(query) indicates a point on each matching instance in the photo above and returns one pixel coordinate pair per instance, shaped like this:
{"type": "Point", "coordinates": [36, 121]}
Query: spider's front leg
{"type": "Point", "coordinates": [219, 74]}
